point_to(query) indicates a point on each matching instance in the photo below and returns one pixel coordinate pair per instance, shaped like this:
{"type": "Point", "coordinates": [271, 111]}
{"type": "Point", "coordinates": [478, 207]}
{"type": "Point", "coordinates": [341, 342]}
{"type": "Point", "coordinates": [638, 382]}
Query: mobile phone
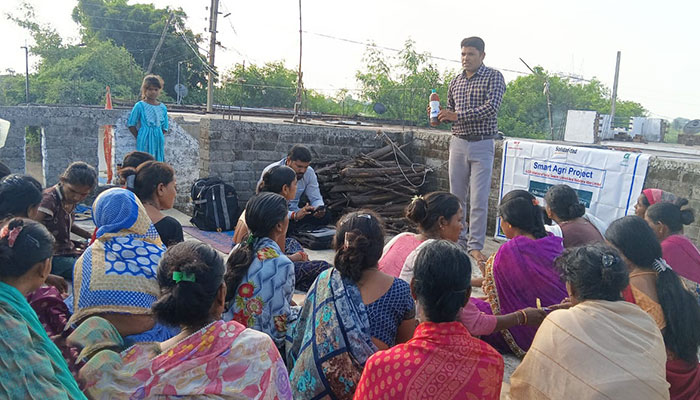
{"type": "Point", "coordinates": [320, 209]}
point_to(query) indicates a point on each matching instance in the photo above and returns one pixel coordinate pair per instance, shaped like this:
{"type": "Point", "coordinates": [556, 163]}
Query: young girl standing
{"type": "Point", "coordinates": [152, 115]}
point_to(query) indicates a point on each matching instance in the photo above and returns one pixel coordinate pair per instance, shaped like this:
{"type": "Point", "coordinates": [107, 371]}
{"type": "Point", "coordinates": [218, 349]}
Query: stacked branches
{"type": "Point", "coordinates": [384, 180]}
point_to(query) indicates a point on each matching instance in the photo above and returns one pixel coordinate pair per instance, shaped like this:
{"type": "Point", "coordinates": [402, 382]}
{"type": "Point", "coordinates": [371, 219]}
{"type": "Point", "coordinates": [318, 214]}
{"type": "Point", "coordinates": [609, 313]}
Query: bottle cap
{"type": "Point", "coordinates": [432, 91]}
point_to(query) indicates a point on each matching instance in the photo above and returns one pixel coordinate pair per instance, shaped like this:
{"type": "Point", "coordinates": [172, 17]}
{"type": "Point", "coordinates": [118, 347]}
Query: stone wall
{"type": "Point", "coordinates": [237, 152]}
{"type": "Point", "coordinates": [72, 134]}
{"type": "Point", "coordinates": [681, 178]}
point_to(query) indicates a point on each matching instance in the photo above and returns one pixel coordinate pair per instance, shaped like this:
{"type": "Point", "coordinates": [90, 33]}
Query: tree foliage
{"type": "Point", "coordinates": [71, 74]}
{"type": "Point", "coordinates": [137, 28]}
{"type": "Point", "coordinates": [402, 84]}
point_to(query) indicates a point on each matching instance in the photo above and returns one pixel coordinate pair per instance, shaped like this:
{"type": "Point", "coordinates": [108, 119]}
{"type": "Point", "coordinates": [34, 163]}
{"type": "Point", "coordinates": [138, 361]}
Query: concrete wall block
{"type": "Point", "coordinates": [268, 156]}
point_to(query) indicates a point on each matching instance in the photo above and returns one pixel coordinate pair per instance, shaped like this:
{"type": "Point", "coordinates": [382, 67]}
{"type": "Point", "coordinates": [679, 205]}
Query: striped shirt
{"type": "Point", "coordinates": [476, 101]}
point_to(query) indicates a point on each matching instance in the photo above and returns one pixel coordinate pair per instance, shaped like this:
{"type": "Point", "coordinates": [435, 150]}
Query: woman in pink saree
{"type": "Point", "coordinates": [209, 358]}
{"type": "Point", "coordinates": [522, 271]}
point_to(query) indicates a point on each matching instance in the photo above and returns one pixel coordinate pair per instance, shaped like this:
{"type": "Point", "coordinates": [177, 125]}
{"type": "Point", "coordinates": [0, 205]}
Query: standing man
{"type": "Point", "coordinates": [313, 213]}
{"type": "Point", "coordinates": [473, 97]}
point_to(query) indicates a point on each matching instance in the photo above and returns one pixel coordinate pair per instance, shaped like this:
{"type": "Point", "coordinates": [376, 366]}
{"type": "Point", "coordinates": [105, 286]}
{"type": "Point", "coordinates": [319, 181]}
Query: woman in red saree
{"type": "Point", "coordinates": [442, 360]}
{"type": "Point", "coordinates": [656, 289]}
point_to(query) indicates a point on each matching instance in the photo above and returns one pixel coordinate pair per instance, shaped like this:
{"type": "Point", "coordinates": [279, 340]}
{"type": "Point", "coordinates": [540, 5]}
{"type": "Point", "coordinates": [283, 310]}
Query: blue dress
{"type": "Point", "coordinates": [154, 120]}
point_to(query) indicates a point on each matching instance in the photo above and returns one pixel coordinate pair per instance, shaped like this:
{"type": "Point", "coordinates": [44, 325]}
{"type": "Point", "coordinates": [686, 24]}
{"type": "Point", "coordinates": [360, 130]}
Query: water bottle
{"type": "Point", "coordinates": [434, 108]}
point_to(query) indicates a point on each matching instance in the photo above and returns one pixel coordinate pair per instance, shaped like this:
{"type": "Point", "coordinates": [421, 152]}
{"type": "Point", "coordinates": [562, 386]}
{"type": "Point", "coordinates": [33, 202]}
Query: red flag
{"type": "Point", "coordinates": [108, 139]}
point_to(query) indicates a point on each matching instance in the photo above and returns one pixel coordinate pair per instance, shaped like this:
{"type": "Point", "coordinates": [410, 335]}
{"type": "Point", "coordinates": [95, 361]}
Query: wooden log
{"type": "Point", "coordinates": [375, 172]}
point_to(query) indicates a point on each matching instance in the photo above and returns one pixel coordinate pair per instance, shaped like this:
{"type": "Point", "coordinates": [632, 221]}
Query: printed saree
{"type": "Point", "coordinates": [117, 273]}
{"type": "Point", "coordinates": [330, 342]}
{"type": "Point", "coordinates": [441, 361]}
{"type": "Point", "coordinates": [223, 360]}
{"type": "Point", "coordinates": [31, 366]}
{"type": "Point", "coordinates": [516, 276]}
{"type": "Point", "coordinates": [595, 350]}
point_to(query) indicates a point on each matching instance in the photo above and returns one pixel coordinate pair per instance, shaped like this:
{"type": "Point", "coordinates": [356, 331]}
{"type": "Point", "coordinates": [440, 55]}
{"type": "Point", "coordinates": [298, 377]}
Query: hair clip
{"type": "Point", "coordinates": [346, 242]}
{"type": "Point", "coordinates": [179, 276]}
{"type": "Point", "coordinates": [660, 265]}
{"type": "Point", "coordinates": [130, 182]}
{"type": "Point", "coordinates": [11, 235]}
{"type": "Point", "coordinates": [417, 197]}
{"type": "Point", "coordinates": [250, 240]}
{"type": "Point", "coordinates": [368, 216]}
{"type": "Point", "coordinates": [608, 260]}
{"type": "Point", "coordinates": [535, 202]}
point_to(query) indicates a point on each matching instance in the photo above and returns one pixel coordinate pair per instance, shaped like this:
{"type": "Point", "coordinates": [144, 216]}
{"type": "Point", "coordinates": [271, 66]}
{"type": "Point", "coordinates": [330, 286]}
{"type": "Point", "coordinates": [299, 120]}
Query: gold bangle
{"type": "Point", "coordinates": [524, 316]}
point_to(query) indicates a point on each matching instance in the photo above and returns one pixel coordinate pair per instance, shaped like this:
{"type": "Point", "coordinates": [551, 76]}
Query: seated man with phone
{"type": "Point", "coordinates": [313, 214]}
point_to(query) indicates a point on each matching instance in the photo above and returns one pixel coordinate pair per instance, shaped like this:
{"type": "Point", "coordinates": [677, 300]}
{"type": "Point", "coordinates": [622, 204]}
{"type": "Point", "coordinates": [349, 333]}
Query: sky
{"type": "Point", "coordinates": [659, 67]}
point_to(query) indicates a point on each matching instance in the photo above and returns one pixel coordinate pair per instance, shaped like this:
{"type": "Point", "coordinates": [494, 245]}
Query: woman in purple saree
{"type": "Point", "coordinates": [522, 270]}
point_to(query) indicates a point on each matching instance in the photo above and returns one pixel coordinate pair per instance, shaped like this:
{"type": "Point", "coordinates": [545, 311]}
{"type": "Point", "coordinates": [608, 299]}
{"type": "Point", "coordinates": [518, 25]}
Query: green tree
{"type": "Point", "coordinates": [75, 74]}
{"type": "Point", "coordinates": [138, 28]}
{"type": "Point", "coordinates": [270, 85]}
{"type": "Point", "coordinates": [403, 85]}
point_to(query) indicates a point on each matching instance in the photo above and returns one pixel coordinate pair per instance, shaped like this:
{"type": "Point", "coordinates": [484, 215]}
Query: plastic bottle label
{"type": "Point", "coordinates": [434, 109]}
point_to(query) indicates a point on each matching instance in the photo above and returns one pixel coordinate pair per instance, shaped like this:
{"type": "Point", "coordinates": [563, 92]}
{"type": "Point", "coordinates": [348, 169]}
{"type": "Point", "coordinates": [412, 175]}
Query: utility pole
{"type": "Point", "coordinates": [549, 101]}
{"type": "Point", "coordinates": [179, 97]}
{"type": "Point", "coordinates": [213, 15]}
{"type": "Point", "coordinates": [160, 43]}
{"type": "Point", "coordinates": [297, 102]}
{"type": "Point", "coordinates": [26, 72]}
{"type": "Point", "coordinates": [614, 92]}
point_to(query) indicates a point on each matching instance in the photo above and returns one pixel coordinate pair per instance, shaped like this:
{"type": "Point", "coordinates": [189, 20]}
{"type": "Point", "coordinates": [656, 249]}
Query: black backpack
{"type": "Point", "coordinates": [215, 205]}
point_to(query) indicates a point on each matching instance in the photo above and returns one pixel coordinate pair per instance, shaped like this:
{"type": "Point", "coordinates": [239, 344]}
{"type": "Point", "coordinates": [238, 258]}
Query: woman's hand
{"type": "Point", "coordinates": [535, 316]}
{"type": "Point", "coordinates": [299, 256]}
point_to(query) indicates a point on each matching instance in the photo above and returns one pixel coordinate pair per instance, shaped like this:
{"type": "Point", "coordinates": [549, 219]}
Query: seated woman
{"type": "Point", "coordinates": [282, 180]}
{"type": "Point", "coordinates": [259, 277]}
{"type": "Point", "coordinates": [32, 366]}
{"type": "Point", "coordinates": [656, 289]}
{"type": "Point", "coordinates": [154, 184]}
{"type": "Point", "coordinates": [564, 208]}
{"type": "Point", "coordinates": [20, 196]}
{"type": "Point", "coordinates": [602, 347]}
{"type": "Point", "coordinates": [230, 361]}
{"type": "Point", "coordinates": [650, 197]}
{"type": "Point", "coordinates": [442, 360]}
{"type": "Point", "coordinates": [132, 159]}
{"type": "Point", "coordinates": [667, 220]}
{"type": "Point", "coordinates": [57, 212]}
{"type": "Point", "coordinates": [350, 312]}
{"type": "Point", "coordinates": [438, 215]}
{"type": "Point", "coordinates": [522, 271]}
{"type": "Point", "coordinates": [116, 276]}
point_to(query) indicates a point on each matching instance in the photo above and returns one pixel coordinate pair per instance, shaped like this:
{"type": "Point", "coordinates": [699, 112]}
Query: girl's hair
{"type": "Point", "coordinates": [23, 243]}
{"type": "Point", "coordinates": [187, 299]}
{"type": "Point", "coordinates": [17, 194]}
{"type": "Point", "coordinates": [441, 280]}
{"type": "Point", "coordinates": [519, 208]}
{"type": "Point", "coordinates": [638, 242]}
{"type": "Point", "coordinates": [275, 178]}
{"type": "Point", "coordinates": [596, 272]}
{"type": "Point", "coordinates": [673, 215]}
{"type": "Point", "coordinates": [147, 177]}
{"type": "Point", "coordinates": [262, 213]}
{"type": "Point", "coordinates": [80, 173]}
{"type": "Point", "coordinates": [151, 81]}
{"type": "Point", "coordinates": [358, 242]}
{"type": "Point", "coordinates": [135, 158]}
{"type": "Point", "coordinates": [563, 201]}
{"type": "Point", "coordinates": [426, 211]}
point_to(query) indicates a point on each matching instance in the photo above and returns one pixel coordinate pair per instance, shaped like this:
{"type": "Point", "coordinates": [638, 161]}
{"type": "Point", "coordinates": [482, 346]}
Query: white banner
{"type": "Point", "coordinates": [608, 182]}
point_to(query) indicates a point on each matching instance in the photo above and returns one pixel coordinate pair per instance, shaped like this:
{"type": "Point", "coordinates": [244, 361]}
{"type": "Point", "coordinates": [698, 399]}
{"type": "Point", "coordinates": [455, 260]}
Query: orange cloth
{"type": "Point", "coordinates": [441, 361]}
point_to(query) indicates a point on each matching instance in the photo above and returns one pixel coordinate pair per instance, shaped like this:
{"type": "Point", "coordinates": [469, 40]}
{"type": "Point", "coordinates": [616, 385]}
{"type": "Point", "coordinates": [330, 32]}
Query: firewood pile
{"type": "Point", "coordinates": [384, 180]}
